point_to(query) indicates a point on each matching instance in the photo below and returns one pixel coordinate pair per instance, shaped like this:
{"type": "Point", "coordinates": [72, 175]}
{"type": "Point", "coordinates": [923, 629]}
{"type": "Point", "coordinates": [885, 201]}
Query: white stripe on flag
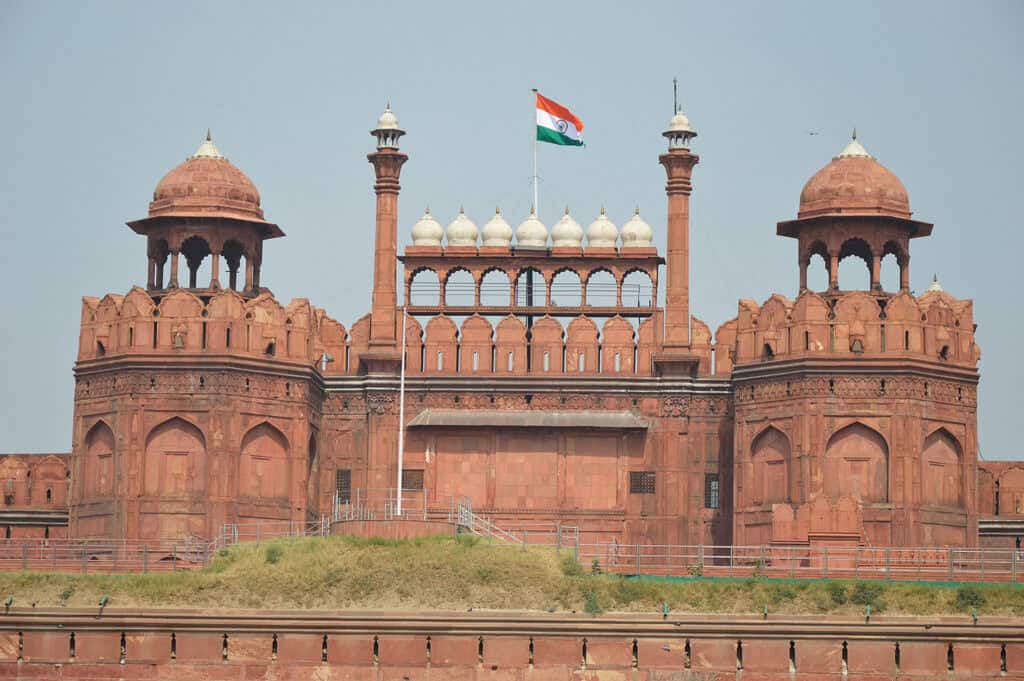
{"type": "Point", "coordinates": [560, 125]}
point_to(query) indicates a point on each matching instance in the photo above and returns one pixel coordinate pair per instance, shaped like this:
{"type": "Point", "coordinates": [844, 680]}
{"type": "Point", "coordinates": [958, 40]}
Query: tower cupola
{"type": "Point", "coordinates": [387, 131]}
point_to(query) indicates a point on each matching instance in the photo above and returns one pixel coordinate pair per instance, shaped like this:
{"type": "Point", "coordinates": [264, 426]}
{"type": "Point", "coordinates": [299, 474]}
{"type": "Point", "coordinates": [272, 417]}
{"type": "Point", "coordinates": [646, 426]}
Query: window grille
{"type": "Point", "coordinates": [343, 485]}
{"type": "Point", "coordinates": [412, 479]}
{"type": "Point", "coordinates": [711, 496]}
{"type": "Point", "coordinates": [641, 482]}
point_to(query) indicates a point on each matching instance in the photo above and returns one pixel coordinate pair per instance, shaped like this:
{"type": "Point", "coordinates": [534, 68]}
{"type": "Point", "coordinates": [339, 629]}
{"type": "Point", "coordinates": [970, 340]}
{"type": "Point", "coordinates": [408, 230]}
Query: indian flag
{"type": "Point", "coordinates": [556, 124]}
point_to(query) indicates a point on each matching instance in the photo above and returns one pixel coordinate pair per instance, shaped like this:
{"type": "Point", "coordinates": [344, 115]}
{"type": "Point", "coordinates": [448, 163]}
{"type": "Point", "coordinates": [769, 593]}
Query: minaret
{"type": "Point", "coordinates": [679, 163]}
{"type": "Point", "coordinates": [387, 166]}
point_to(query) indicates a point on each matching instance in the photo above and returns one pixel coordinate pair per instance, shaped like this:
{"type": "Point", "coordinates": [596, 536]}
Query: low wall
{"type": "Point", "coordinates": [392, 529]}
{"type": "Point", "coordinates": [194, 645]}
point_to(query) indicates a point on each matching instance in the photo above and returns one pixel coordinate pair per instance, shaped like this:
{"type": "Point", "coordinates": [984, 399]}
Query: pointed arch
{"type": "Point", "coordinates": [175, 461]}
{"type": "Point", "coordinates": [856, 464]}
{"type": "Point", "coordinates": [264, 474]}
{"type": "Point", "coordinates": [942, 470]}
{"type": "Point", "coordinates": [98, 462]}
{"type": "Point", "coordinates": [770, 454]}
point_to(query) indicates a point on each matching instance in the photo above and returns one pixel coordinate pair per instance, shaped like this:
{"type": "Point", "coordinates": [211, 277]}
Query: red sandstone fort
{"type": "Point", "coordinates": [543, 380]}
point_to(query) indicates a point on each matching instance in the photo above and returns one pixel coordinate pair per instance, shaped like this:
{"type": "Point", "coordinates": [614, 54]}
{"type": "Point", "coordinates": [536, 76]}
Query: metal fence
{"type": "Point", "coordinates": [102, 556]}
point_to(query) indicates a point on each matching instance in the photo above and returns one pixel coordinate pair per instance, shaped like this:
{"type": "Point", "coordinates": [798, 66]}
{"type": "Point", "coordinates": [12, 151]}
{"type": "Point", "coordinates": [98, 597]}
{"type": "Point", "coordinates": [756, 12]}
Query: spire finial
{"type": "Point", "coordinates": [533, 210]}
{"type": "Point", "coordinates": [427, 212]}
{"type": "Point", "coordinates": [567, 210]}
{"type": "Point", "coordinates": [209, 137]}
{"type": "Point", "coordinates": [935, 277]}
{"type": "Point", "coordinates": [462, 210]}
{"type": "Point", "coordinates": [854, 132]}
{"type": "Point", "coordinates": [602, 210]}
{"type": "Point", "coordinates": [497, 210]}
{"type": "Point", "coordinates": [675, 97]}
{"type": "Point", "coordinates": [637, 210]}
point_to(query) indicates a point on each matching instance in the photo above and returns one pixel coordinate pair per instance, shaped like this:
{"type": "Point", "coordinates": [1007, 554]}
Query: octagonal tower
{"type": "Point", "coordinates": [855, 410]}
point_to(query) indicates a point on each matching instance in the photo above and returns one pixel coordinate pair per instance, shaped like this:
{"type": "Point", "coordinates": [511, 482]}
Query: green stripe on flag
{"type": "Point", "coordinates": [555, 137]}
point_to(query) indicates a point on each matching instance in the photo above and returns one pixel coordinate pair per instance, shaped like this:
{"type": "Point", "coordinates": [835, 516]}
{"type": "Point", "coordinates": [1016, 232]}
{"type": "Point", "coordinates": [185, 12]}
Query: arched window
{"type": "Point", "coordinates": [942, 476]}
{"type": "Point", "coordinates": [817, 267]}
{"type": "Point", "coordinates": [566, 290]}
{"type": "Point", "coordinates": [196, 251]}
{"type": "Point", "coordinates": [495, 289]}
{"type": "Point", "coordinates": [234, 256]}
{"type": "Point", "coordinates": [530, 288]}
{"type": "Point", "coordinates": [264, 471]}
{"type": "Point", "coordinates": [175, 464]}
{"type": "Point", "coordinates": [637, 289]}
{"type": "Point", "coordinates": [855, 265]}
{"type": "Point", "coordinates": [98, 470]}
{"type": "Point", "coordinates": [601, 289]}
{"type": "Point", "coordinates": [770, 454]}
{"type": "Point", "coordinates": [459, 289]}
{"type": "Point", "coordinates": [424, 289]}
{"type": "Point", "coordinates": [857, 465]}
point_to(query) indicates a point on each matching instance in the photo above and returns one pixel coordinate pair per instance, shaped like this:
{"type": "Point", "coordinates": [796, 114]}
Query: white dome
{"type": "Point", "coordinates": [462, 231]}
{"type": "Point", "coordinates": [854, 149]}
{"type": "Point", "coordinates": [602, 232]}
{"type": "Point", "coordinates": [567, 232]}
{"type": "Point", "coordinates": [680, 124]}
{"type": "Point", "coordinates": [207, 149]}
{"type": "Point", "coordinates": [427, 231]}
{"type": "Point", "coordinates": [636, 233]}
{"type": "Point", "coordinates": [388, 120]}
{"type": "Point", "coordinates": [497, 232]}
{"type": "Point", "coordinates": [531, 233]}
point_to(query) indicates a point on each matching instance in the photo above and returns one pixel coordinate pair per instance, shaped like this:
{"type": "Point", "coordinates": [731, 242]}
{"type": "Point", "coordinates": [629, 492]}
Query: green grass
{"type": "Point", "coordinates": [445, 573]}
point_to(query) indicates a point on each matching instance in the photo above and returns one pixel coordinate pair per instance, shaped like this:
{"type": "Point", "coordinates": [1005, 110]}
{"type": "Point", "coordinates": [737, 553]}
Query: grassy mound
{"type": "Point", "coordinates": [445, 573]}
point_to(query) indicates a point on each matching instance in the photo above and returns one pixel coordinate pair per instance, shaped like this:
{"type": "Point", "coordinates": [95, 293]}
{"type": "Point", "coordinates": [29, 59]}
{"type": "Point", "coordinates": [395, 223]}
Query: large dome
{"type": "Point", "coordinates": [854, 183]}
{"type": "Point", "coordinates": [206, 185]}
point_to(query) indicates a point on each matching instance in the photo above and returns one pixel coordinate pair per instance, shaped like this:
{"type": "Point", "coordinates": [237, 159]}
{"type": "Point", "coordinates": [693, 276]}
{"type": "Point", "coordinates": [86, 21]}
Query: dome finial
{"type": "Point", "coordinates": [936, 286]}
{"type": "Point", "coordinates": [854, 149]}
{"type": "Point", "coordinates": [207, 149]}
{"type": "Point", "coordinates": [567, 210]}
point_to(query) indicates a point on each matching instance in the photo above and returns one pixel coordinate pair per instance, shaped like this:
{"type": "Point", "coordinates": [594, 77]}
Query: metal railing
{"type": "Point", "coordinates": [103, 556]}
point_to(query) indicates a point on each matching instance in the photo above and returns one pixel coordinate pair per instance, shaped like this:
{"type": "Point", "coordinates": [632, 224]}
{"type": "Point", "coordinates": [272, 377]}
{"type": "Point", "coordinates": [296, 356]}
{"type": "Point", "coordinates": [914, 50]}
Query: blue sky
{"type": "Point", "coordinates": [101, 99]}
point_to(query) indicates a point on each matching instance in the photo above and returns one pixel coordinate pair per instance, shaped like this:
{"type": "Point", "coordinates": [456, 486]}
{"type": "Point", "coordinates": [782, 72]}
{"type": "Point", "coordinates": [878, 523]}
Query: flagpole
{"type": "Point", "coordinates": [401, 415]}
{"type": "Point", "coordinates": [536, 201]}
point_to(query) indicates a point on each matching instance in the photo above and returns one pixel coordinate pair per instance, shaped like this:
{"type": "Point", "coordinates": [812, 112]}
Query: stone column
{"type": "Point", "coordinates": [151, 273]}
{"type": "Point", "coordinates": [804, 264]}
{"type": "Point", "coordinates": [174, 270]}
{"type": "Point", "coordinates": [248, 274]}
{"type": "Point", "coordinates": [833, 272]}
{"type": "Point", "coordinates": [876, 272]}
{"type": "Point", "coordinates": [905, 274]}
{"type": "Point", "coordinates": [215, 270]}
{"type": "Point", "coordinates": [678, 163]}
{"type": "Point", "coordinates": [387, 166]}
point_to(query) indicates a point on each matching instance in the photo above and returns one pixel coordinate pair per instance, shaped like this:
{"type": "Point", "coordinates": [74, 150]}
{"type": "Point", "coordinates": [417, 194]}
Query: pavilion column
{"type": "Point", "coordinates": [151, 273]}
{"type": "Point", "coordinates": [215, 271]}
{"type": "Point", "coordinates": [159, 280]}
{"type": "Point", "coordinates": [876, 272]}
{"type": "Point", "coordinates": [248, 274]}
{"type": "Point", "coordinates": [905, 274]}
{"type": "Point", "coordinates": [833, 271]}
{"type": "Point", "coordinates": [804, 264]}
{"type": "Point", "coordinates": [174, 270]}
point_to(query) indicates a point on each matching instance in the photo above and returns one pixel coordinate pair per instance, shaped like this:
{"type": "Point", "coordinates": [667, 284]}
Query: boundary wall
{"type": "Point", "coordinates": [155, 644]}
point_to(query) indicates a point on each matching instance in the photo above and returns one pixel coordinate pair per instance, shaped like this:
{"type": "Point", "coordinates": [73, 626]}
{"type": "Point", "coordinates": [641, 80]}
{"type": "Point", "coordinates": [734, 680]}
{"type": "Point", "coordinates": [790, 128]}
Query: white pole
{"type": "Point", "coordinates": [401, 416]}
{"type": "Point", "coordinates": [536, 201]}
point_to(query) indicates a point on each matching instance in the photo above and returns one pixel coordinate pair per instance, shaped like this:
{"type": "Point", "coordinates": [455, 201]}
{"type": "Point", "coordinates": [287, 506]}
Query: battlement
{"type": "Point", "coordinates": [934, 327]}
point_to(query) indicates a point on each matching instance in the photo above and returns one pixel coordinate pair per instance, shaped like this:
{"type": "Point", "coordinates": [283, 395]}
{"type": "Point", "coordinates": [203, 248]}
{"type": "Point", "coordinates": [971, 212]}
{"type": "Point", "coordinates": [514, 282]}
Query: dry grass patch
{"type": "Point", "coordinates": [446, 573]}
